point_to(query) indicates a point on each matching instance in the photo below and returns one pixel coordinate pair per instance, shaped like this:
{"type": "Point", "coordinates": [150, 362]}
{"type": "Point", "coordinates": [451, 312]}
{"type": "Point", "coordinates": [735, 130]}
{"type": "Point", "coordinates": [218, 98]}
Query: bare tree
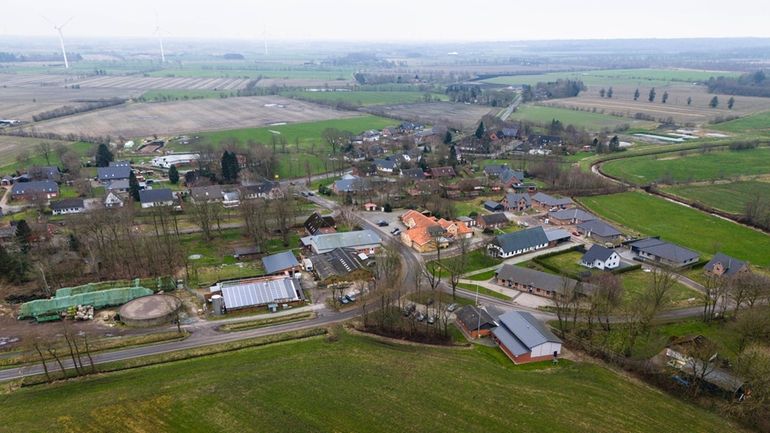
{"type": "Point", "coordinates": [658, 294]}
{"type": "Point", "coordinates": [254, 214]}
{"type": "Point", "coordinates": [701, 362]}
{"type": "Point", "coordinates": [45, 149]}
{"type": "Point", "coordinates": [564, 302]}
{"type": "Point", "coordinates": [714, 294]}
{"type": "Point", "coordinates": [606, 298]}
{"type": "Point", "coordinates": [203, 212]}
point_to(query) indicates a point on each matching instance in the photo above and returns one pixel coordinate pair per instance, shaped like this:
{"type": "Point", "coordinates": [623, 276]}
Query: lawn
{"type": "Point", "coordinates": [483, 276]}
{"type": "Point", "coordinates": [484, 291]}
{"type": "Point", "coordinates": [690, 228]}
{"type": "Point", "coordinates": [356, 384]}
{"type": "Point", "coordinates": [730, 197]}
{"type": "Point", "coordinates": [568, 262]}
{"type": "Point", "coordinates": [581, 119]}
{"type": "Point", "coordinates": [637, 282]}
{"type": "Point", "coordinates": [694, 166]}
{"type": "Point", "coordinates": [366, 98]}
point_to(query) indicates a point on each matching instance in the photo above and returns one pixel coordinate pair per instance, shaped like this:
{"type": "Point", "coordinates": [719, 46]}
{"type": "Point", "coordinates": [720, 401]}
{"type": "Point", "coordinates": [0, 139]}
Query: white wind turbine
{"type": "Point", "coordinates": [61, 39]}
{"type": "Point", "coordinates": [159, 34]}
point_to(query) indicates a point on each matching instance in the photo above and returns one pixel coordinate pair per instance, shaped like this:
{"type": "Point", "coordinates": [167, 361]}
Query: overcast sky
{"type": "Point", "coordinates": [393, 20]}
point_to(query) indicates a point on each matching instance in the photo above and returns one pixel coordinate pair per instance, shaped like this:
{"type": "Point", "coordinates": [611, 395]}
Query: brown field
{"type": "Point", "coordinates": [147, 83]}
{"type": "Point", "coordinates": [622, 103]}
{"type": "Point", "coordinates": [305, 82]}
{"type": "Point", "coordinates": [462, 115]}
{"type": "Point", "coordinates": [142, 119]}
{"type": "Point", "coordinates": [22, 103]}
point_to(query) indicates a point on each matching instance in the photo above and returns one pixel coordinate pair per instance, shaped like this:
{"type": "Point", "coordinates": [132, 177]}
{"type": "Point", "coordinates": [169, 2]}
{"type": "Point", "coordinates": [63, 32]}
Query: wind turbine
{"type": "Point", "coordinates": [61, 39]}
{"type": "Point", "coordinates": [160, 38]}
{"type": "Point", "coordinates": [264, 36]}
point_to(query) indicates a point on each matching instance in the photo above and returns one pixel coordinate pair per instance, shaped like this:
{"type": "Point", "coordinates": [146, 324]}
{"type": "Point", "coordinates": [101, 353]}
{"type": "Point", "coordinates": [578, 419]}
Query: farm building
{"type": "Point", "coordinates": [475, 321]}
{"type": "Point", "coordinates": [557, 236]}
{"type": "Point", "coordinates": [525, 339]}
{"type": "Point", "coordinates": [365, 241]}
{"type": "Point", "coordinates": [516, 202]}
{"type": "Point", "coordinates": [109, 174]}
{"type": "Point", "coordinates": [493, 206]}
{"type": "Point", "coordinates": [282, 263]}
{"type": "Point", "coordinates": [316, 224]}
{"type": "Point", "coordinates": [68, 206]}
{"type": "Point", "coordinates": [723, 265]}
{"type": "Point", "coordinates": [246, 253]}
{"type": "Point", "coordinates": [570, 216]}
{"type": "Point", "coordinates": [166, 161]}
{"type": "Point", "coordinates": [545, 201]}
{"type": "Point", "coordinates": [600, 231]}
{"type": "Point", "coordinates": [36, 188]}
{"type": "Point", "coordinates": [339, 265]}
{"type": "Point", "coordinates": [599, 257]}
{"type": "Point", "coordinates": [266, 189]}
{"type": "Point", "coordinates": [512, 244]}
{"type": "Point", "coordinates": [492, 221]}
{"type": "Point", "coordinates": [255, 292]}
{"type": "Point", "coordinates": [658, 251]}
{"type": "Point", "coordinates": [536, 282]}
{"type": "Point", "coordinates": [156, 197]}
{"type": "Point", "coordinates": [204, 194]}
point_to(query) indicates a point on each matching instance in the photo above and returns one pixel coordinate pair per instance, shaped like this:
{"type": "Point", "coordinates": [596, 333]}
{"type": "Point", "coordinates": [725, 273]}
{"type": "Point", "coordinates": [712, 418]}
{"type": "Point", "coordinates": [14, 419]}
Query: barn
{"type": "Point", "coordinates": [525, 339]}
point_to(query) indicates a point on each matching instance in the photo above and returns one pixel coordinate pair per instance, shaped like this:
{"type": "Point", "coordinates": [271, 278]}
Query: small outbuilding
{"type": "Point", "coordinates": [525, 339]}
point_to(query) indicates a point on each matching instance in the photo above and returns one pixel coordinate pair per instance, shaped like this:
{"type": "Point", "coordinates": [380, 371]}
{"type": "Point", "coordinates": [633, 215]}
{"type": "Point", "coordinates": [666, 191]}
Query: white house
{"type": "Point", "coordinates": [166, 161]}
{"type": "Point", "coordinates": [68, 206]}
{"type": "Point", "coordinates": [600, 257]}
{"type": "Point", "coordinates": [156, 197]}
{"type": "Point", "coordinates": [113, 200]}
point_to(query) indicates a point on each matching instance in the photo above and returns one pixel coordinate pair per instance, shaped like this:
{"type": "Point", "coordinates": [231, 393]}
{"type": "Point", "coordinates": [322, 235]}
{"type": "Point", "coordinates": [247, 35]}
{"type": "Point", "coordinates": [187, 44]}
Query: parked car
{"type": "Point", "coordinates": [396, 232]}
{"type": "Point", "coordinates": [452, 307]}
{"type": "Point", "coordinates": [409, 309]}
{"type": "Point", "coordinates": [383, 223]}
{"type": "Point", "coordinates": [431, 319]}
{"type": "Point", "coordinates": [351, 297]}
{"type": "Point", "coordinates": [310, 193]}
{"type": "Point", "coordinates": [344, 300]}
{"type": "Point", "coordinates": [419, 316]}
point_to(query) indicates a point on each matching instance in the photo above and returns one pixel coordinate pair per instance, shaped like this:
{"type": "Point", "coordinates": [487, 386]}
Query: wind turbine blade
{"type": "Point", "coordinates": [66, 22]}
{"type": "Point", "coordinates": [49, 21]}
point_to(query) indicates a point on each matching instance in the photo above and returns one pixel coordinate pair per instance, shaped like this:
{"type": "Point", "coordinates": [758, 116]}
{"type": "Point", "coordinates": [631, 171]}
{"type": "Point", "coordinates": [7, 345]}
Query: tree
{"type": "Point", "coordinates": [689, 100]}
{"type": "Point", "coordinates": [45, 148]}
{"type": "Point", "coordinates": [230, 166]}
{"type": "Point", "coordinates": [602, 92]}
{"type": "Point", "coordinates": [714, 102]}
{"type": "Point", "coordinates": [701, 362]}
{"type": "Point", "coordinates": [103, 156]}
{"type": "Point", "coordinates": [614, 144]}
{"type": "Point", "coordinates": [606, 298]}
{"type": "Point", "coordinates": [23, 157]}
{"type": "Point", "coordinates": [636, 95]}
{"type": "Point", "coordinates": [664, 98]}
{"type": "Point", "coordinates": [453, 156]}
{"type": "Point", "coordinates": [730, 103]}
{"type": "Point", "coordinates": [480, 130]}
{"type": "Point", "coordinates": [23, 236]}
{"type": "Point", "coordinates": [448, 137]}
{"type": "Point", "coordinates": [658, 294]}
{"type": "Point", "coordinates": [609, 93]}
{"type": "Point", "coordinates": [173, 174]}
{"type": "Point", "coordinates": [651, 96]}
{"type": "Point", "coordinates": [133, 186]}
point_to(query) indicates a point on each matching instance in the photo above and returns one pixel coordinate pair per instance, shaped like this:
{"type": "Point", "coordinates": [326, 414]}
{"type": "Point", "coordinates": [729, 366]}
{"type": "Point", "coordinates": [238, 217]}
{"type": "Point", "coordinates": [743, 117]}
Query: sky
{"type": "Point", "coordinates": [392, 20]}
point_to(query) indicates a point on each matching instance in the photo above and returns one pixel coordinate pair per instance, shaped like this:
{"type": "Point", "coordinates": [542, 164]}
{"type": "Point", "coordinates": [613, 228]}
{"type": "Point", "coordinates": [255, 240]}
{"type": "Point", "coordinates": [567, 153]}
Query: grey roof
{"type": "Point", "coordinates": [120, 164]}
{"type": "Point", "coordinates": [508, 175]}
{"type": "Point", "coordinates": [46, 172]}
{"type": "Point", "coordinates": [246, 251]}
{"type": "Point", "coordinates": [557, 235]}
{"type": "Point", "coordinates": [572, 214]}
{"type": "Point", "coordinates": [279, 262]}
{"type": "Point", "coordinates": [494, 169]}
{"type": "Point", "coordinates": [156, 195]}
{"type": "Point", "coordinates": [351, 184]}
{"type": "Point", "coordinates": [67, 203]}
{"type": "Point", "coordinates": [34, 187]}
{"type": "Point", "coordinates": [247, 293]}
{"type": "Point", "coordinates": [327, 242]}
{"type": "Point", "coordinates": [490, 204]}
{"type": "Point", "coordinates": [210, 192]}
{"type": "Point", "coordinates": [522, 240]}
{"type": "Point", "coordinates": [599, 227]}
{"type": "Point", "coordinates": [336, 263]}
{"type": "Point", "coordinates": [469, 316]}
{"type": "Point", "coordinates": [542, 280]}
{"type": "Point", "coordinates": [110, 173]}
{"type": "Point", "coordinates": [665, 250]}
{"type": "Point", "coordinates": [316, 222]}
{"type": "Point", "coordinates": [510, 132]}
{"type": "Point", "coordinates": [520, 332]}
{"type": "Point", "coordinates": [731, 265]}
{"type": "Point", "coordinates": [597, 252]}
{"type": "Point", "coordinates": [550, 200]}
{"type": "Point", "coordinates": [413, 173]}
{"type": "Point", "coordinates": [260, 188]}
{"type": "Point", "coordinates": [516, 197]}
{"type": "Point", "coordinates": [119, 184]}
{"type": "Point", "coordinates": [495, 218]}
{"type": "Point", "coordinates": [385, 164]}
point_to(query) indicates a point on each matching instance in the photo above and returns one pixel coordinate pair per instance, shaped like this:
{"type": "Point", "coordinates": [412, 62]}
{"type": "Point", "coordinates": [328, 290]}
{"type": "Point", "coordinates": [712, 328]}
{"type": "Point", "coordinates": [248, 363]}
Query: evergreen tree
{"type": "Point", "coordinates": [230, 167]}
{"type": "Point", "coordinates": [651, 97]}
{"type": "Point", "coordinates": [636, 95]}
{"type": "Point", "coordinates": [730, 103]}
{"type": "Point", "coordinates": [448, 137]}
{"type": "Point", "coordinates": [689, 100]}
{"type": "Point", "coordinates": [602, 92]}
{"type": "Point", "coordinates": [103, 156]}
{"type": "Point", "coordinates": [453, 156]}
{"type": "Point", "coordinates": [133, 186]}
{"type": "Point", "coordinates": [480, 130]}
{"type": "Point", "coordinates": [173, 174]}
{"type": "Point", "coordinates": [664, 98]}
{"type": "Point", "coordinates": [23, 236]}
{"type": "Point", "coordinates": [614, 144]}
{"type": "Point", "coordinates": [609, 92]}
{"type": "Point", "coordinates": [714, 102]}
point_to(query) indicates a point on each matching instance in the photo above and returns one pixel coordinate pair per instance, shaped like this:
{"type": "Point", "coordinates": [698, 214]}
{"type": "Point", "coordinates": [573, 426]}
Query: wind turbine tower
{"type": "Point", "coordinates": [160, 38]}
{"type": "Point", "coordinates": [264, 37]}
{"type": "Point", "coordinates": [61, 39]}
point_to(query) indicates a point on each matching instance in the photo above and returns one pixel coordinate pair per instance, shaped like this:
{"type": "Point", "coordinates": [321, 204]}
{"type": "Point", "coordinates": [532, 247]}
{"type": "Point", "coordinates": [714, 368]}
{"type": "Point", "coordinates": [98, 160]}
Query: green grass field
{"type": "Point", "coordinates": [758, 123]}
{"type": "Point", "coordinates": [352, 385]}
{"type": "Point", "coordinates": [692, 167]}
{"type": "Point", "coordinates": [616, 77]}
{"type": "Point", "coordinates": [365, 98]}
{"type": "Point", "coordinates": [649, 215]}
{"type": "Point", "coordinates": [730, 197]}
{"type": "Point", "coordinates": [567, 262]}
{"type": "Point", "coordinates": [637, 282]}
{"type": "Point", "coordinates": [581, 119]}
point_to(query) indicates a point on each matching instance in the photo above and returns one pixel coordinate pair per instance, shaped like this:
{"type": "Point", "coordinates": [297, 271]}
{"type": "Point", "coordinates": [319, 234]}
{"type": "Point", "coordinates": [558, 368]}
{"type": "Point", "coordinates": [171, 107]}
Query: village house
{"type": "Point", "coordinates": [599, 257]}
{"type": "Point", "coordinates": [662, 252]}
{"type": "Point", "coordinates": [547, 202]}
{"type": "Point", "coordinates": [385, 166]}
{"type": "Point", "coordinates": [600, 231]}
{"type": "Point", "coordinates": [494, 170]}
{"type": "Point", "coordinates": [361, 241]}
{"type": "Point", "coordinates": [105, 175]}
{"type": "Point", "coordinates": [156, 197]}
{"type": "Point", "coordinates": [723, 265]}
{"type": "Point", "coordinates": [264, 189]}
{"type": "Point", "coordinates": [413, 174]}
{"type": "Point", "coordinates": [570, 216]}
{"type": "Point", "coordinates": [538, 283]}
{"type": "Point", "coordinates": [231, 199]}
{"type": "Point", "coordinates": [492, 221]}
{"type": "Point", "coordinates": [525, 339]}
{"type": "Point", "coordinates": [68, 206]}
{"type": "Point", "coordinates": [316, 224]}
{"type": "Point", "coordinates": [113, 200]}
{"type": "Point", "coordinates": [442, 172]}
{"type": "Point", "coordinates": [426, 233]}
{"type": "Point", "coordinates": [509, 178]}
{"type": "Point", "coordinates": [520, 242]}
{"type": "Point", "coordinates": [36, 188]}
{"type": "Point", "coordinates": [44, 173]}
{"type": "Point", "coordinates": [206, 194]}
{"type": "Point", "coordinates": [119, 185]}
{"type": "Point", "coordinates": [516, 202]}
{"type": "Point", "coordinates": [284, 263]}
{"type": "Point", "coordinates": [350, 184]}
{"type": "Point", "coordinates": [475, 321]}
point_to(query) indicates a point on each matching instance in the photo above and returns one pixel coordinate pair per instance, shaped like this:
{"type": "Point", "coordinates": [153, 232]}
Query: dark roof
{"type": "Point", "coordinates": [665, 250]}
{"type": "Point", "coordinates": [351, 184]}
{"type": "Point", "coordinates": [469, 316]}
{"type": "Point", "coordinates": [508, 175]}
{"type": "Point", "coordinates": [551, 201]}
{"type": "Point", "coordinates": [542, 280]}
{"type": "Point", "coordinates": [156, 195]}
{"type": "Point", "coordinates": [385, 164]}
{"type": "Point", "coordinates": [119, 184]}
{"type": "Point", "coordinates": [572, 214]}
{"type": "Point", "coordinates": [67, 203]}
{"type": "Point", "coordinates": [597, 252]}
{"type": "Point", "coordinates": [246, 251]}
{"type": "Point", "coordinates": [211, 192]}
{"type": "Point", "coordinates": [731, 265]}
{"type": "Point", "coordinates": [413, 173]}
{"type": "Point", "coordinates": [492, 205]}
{"type": "Point", "coordinates": [34, 187]}
{"type": "Point", "coordinates": [516, 197]}
{"type": "Point", "coordinates": [336, 263]}
{"type": "Point", "coordinates": [495, 218]}
{"type": "Point", "coordinates": [279, 262]}
{"type": "Point", "coordinates": [120, 164]}
{"type": "Point", "coordinates": [599, 227]}
{"type": "Point", "coordinates": [315, 222]}
{"type": "Point", "coordinates": [48, 172]}
{"type": "Point", "coordinates": [520, 332]}
{"type": "Point", "coordinates": [442, 172]}
{"type": "Point", "coordinates": [510, 132]}
{"type": "Point", "coordinates": [522, 240]}
{"type": "Point", "coordinates": [111, 173]}
{"type": "Point", "coordinates": [494, 169]}
{"type": "Point", "coordinates": [261, 188]}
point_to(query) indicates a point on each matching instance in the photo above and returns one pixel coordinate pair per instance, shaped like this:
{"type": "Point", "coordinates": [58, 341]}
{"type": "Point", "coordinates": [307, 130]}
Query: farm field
{"type": "Point", "coordinates": [759, 123]}
{"type": "Point", "coordinates": [610, 77]}
{"type": "Point", "coordinates": [235, 71]}
{"type": "Point", "coordinates": [730, 197]}
{"type": "Point", "coordinates": [142, 119]}
{"type": "Point", "coordinates": [462, 115]}
{"type": "Point", "coordinates": [21, 103]}
{"type": "Point", "coordinates": [161, 95]}
{"type": "Point", "coordinates": [652, 216]}
{"type": "Point", "coordinates": [146, 83]}
{"type": "Point", "coordinates": [11, 146]}
{"type": "Point", "coordinates": [367, 97]}
{"type": "Point", "coordinates": [696, 166]}
{"type": "Point", "coordinates": [581, 119]}
{"type": "Point", "coordinates": [417, 389]}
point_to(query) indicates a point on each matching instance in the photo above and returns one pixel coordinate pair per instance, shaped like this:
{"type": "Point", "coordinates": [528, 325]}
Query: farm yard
{"type": "Point", "coordinates": [694, 166]}
{"type": "Point", "coordinates": [652, 216]}
{"type": "Point", "coordinates": [461, 115]}
{"type": "Point", "coordinates": [730, 197]}
{"type": "Point", "coordinates": [138, 119]}
{"type": "Point", "coordinates": [259, 389]}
